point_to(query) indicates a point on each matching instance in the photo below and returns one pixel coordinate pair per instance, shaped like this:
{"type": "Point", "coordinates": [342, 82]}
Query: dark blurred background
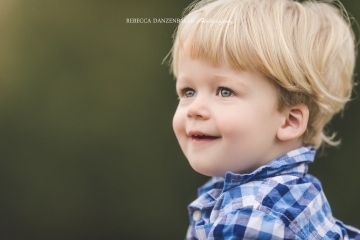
{"type": "Point", "coordinates": [86, 145]}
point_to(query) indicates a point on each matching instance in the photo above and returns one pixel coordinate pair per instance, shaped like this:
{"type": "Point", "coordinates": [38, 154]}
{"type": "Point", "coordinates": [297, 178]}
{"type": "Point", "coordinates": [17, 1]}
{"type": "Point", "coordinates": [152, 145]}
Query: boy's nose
{"type": "Point", "coordinates": [198, 109]}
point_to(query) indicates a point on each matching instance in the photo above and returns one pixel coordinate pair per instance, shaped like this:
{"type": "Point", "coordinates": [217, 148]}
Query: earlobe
{"type": "Point", "coordinates": [294, 124]}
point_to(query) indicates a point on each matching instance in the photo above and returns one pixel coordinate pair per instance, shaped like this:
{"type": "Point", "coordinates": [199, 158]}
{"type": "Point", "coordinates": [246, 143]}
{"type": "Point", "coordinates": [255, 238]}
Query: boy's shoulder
{"type": "Point", "coordinates": [282, 196]}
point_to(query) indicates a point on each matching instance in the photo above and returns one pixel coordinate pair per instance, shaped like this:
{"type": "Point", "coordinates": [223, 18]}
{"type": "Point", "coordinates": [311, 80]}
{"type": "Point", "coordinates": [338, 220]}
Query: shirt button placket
{"type": "Point", "coordinates": [196, 216]}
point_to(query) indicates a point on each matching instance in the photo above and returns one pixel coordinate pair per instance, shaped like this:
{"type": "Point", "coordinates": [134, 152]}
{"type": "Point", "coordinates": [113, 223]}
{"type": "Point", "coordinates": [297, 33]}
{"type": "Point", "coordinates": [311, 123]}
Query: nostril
{"type": "Point", "coordinates": [195, 114]}
{"type": "Point", "coordinates": [198, 111]}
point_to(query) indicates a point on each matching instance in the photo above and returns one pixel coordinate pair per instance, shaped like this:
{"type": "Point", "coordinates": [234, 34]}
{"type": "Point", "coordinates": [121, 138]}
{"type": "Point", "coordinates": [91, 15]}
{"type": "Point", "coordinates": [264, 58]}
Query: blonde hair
{"type": "Point", "coordinates": [306, 49]}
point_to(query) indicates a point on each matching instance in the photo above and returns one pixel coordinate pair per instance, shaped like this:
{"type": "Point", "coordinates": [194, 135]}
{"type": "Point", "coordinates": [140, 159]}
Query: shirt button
{"type": "Point", "coordinates": [196, 215]}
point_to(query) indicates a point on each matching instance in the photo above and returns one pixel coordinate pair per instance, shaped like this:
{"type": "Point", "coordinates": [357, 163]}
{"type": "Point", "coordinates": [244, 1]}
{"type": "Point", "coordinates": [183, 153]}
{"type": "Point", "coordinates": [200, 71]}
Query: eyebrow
{"type": "Point", "coordinates": [216, 78]}
{"type": "Point", "coordinates": [227, 79]}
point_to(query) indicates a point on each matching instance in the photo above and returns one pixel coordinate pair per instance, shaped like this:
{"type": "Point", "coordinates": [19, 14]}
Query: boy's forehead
{"type": "Point", "coordinates": [189, 68]}
{"type": "Point", "coordinates": [186, 59]}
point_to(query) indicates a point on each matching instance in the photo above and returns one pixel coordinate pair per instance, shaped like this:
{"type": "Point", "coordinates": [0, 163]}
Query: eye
{"type": "Point", "coordinates": [224, 92]}
{"type": "Point", "coordinates": [188, 92]}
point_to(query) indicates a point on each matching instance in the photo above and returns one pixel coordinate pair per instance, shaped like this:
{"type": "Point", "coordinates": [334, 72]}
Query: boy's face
{"type": "Point", "coordinates": [226, 120]}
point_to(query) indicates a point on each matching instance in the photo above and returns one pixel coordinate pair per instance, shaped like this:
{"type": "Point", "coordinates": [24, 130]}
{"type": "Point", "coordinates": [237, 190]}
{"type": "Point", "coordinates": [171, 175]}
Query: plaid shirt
{"type": "Point", "coordinates": [277, 201]}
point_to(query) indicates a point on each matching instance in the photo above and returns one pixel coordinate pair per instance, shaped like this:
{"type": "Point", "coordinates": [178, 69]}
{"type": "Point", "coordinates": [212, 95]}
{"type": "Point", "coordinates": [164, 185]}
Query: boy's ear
{"type": "Point", "coordinates": [295, 122]}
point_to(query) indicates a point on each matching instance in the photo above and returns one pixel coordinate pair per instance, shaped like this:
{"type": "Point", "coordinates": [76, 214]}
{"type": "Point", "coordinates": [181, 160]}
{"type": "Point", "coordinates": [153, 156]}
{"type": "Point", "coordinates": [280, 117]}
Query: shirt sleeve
{"type": "Point", "coordinates": [250, 224]}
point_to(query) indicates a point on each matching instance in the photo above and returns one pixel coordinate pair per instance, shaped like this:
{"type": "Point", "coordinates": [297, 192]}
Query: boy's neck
{"type": "Point", "coordinates": [287, 146]}
{"type": "Point", "coordinates": [283, 147]}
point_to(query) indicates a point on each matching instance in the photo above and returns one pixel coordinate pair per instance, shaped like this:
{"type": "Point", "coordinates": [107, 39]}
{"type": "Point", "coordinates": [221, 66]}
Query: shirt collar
{"type": "Point", "coordinates": [292, 163]}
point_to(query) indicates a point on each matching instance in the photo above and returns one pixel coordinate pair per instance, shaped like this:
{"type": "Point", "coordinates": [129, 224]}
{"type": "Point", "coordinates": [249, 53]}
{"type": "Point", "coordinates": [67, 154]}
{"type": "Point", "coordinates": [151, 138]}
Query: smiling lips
{"type": "Point", "coordinates": [202, 137]}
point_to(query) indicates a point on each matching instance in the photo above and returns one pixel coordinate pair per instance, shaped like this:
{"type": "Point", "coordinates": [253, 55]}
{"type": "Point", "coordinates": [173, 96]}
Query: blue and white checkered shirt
{"type": "Point", "coordinates": [277, 201]}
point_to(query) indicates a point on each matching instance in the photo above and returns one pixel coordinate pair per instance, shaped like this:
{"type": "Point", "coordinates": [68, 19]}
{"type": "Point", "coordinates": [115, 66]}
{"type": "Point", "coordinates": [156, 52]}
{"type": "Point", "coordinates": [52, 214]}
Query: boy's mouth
{"type": "Point", "coordinates": [202, 136]}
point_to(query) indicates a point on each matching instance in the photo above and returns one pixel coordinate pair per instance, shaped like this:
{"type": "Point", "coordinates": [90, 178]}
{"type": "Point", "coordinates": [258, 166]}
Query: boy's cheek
{"type": "Point", "coordinates": [178, 124]}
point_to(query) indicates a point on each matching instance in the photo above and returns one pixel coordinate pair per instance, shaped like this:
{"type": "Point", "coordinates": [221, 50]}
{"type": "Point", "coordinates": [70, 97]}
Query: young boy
{"type": "Point", "coordinates": [257, 82]}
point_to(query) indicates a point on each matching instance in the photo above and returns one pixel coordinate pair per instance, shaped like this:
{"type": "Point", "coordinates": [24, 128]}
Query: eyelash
{"type": "Point", "coordinates": [189, 92]}
{"type": "Point", "coordinates": [185, 91]}
{"type": "Point", "coordinates": [220, 89]}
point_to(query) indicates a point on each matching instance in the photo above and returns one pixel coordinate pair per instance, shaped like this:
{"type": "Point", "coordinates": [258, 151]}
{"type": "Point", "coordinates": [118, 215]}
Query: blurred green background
{"type": "Point", "coordinates": [86, 145]}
